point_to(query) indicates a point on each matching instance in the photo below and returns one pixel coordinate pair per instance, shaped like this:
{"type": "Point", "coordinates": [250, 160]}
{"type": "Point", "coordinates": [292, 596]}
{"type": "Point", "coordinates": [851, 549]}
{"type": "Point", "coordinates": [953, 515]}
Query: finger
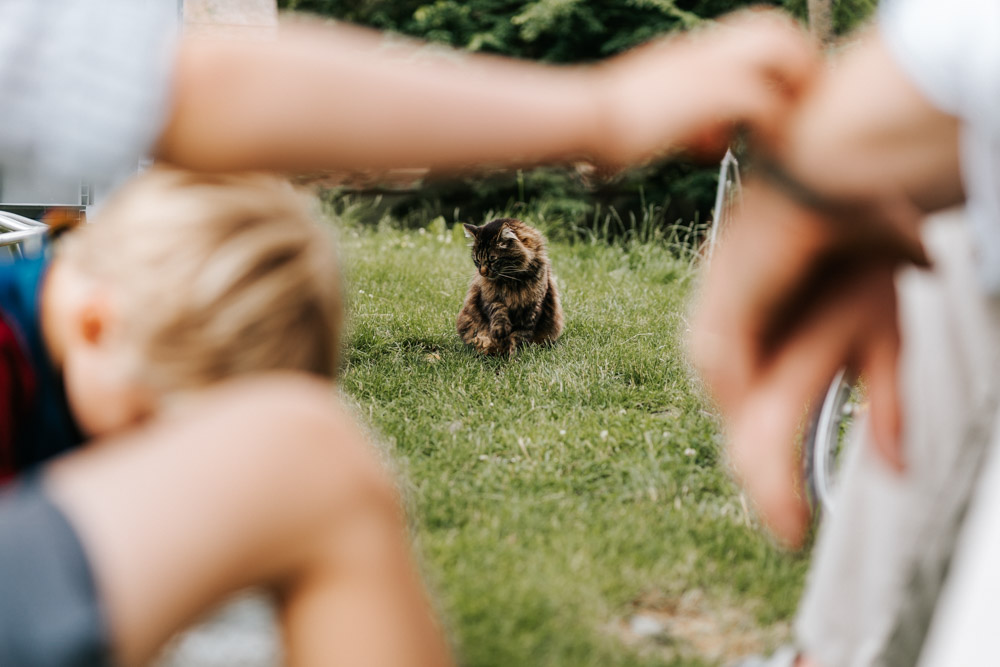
{"type": "Point", "coordinates": [783, 60]}
{"type": "Point", "coordinates": [762, 437]}
{"type": "Point", "coordinates": [762, 455]}
{"type": "Point", "coordinates": [880, 366]}
{"type": "Point", "coordinates": [720, 354]}
{"type": "Point", "coordinates": [784, 50]}
{"type": "Point", "coordinates": [717, 343]}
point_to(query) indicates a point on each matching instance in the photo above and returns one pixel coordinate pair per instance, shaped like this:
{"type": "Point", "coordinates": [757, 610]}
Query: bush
{"type": "Point", "coordinates": [550, 30]}
{"type": "Point", "coordinates": [558, 31]}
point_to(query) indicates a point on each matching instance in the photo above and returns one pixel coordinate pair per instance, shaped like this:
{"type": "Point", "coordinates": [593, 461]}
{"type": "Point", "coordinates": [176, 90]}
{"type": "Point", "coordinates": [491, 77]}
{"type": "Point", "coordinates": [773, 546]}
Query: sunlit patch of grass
{"type": "Point", "coordinates": [552, 490]}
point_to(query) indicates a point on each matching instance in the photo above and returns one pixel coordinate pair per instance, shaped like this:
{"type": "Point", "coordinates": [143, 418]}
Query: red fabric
{"type": "Point", "coordinates": [17, 386]}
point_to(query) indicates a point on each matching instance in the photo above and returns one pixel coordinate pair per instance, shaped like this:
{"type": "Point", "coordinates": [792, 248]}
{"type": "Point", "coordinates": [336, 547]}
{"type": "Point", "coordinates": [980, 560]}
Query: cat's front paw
{"type": "Point", "coordinates": [483, 343]}
{"type": "Point", "coordinates": [500, 332]}
{"type": "Point", "coordinates": [505, 346]}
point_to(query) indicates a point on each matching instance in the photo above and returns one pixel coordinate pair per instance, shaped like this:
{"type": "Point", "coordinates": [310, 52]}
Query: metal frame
{"type": "Point", "coordinates": [825, 443]}
{"type": "Point", "coordinates": [728, 195]}
{"type": "Point", "coordinates": [18, 231]}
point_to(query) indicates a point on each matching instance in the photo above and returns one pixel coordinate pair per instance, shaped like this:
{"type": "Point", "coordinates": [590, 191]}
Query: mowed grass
{"type": "Point", "coordinates": [557, 494]}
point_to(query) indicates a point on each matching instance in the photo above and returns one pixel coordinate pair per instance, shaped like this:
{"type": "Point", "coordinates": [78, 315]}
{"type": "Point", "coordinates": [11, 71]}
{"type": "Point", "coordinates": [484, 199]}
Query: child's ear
{"type": "Point", "coordinates": [94, 319]}
{"type": "Point", "coordinates": [471, 230]}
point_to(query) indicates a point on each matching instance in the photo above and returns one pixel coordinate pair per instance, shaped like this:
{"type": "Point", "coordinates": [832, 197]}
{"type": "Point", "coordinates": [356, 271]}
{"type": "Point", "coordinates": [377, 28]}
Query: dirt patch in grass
{"type": "Point", "coordinates": [695, 627]}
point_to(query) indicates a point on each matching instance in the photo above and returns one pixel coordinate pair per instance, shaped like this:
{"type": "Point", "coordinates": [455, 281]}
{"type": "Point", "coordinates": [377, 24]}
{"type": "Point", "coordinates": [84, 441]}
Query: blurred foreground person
{"type": "Point", "coordinates": [209, 472]}
{"type": "Point", "coordinates": [815, 275]}
{"type": "Point", "coordinates": [190, 335]}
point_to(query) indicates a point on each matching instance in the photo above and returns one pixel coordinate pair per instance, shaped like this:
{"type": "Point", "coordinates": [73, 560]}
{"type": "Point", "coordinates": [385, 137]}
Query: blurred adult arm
{"type": "Point", "coordinates": [88, 87]}
{"type": "Point", "coordinates": [335, 96]}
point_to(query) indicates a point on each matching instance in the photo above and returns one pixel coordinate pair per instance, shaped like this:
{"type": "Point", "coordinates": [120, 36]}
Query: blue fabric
{"type": "Point", "coordinates": [49, 428]}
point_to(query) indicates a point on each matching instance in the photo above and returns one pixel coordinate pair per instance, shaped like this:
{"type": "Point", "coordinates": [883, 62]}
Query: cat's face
{"type": "Point", "coordinates": [499, 248]}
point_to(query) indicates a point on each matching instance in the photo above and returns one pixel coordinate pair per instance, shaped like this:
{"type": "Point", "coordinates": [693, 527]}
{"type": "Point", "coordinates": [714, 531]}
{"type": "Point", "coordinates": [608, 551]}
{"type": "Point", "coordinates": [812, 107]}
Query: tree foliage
{"type": "Point", "coordinates": [564, 31]}
{"type": "Point", "coordinates": [550, 30]}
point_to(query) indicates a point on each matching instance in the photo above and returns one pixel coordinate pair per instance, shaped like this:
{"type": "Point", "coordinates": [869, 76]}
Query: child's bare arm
{"type": "Point", "coordinates": [341, 97]}
{"type": "Point", "coordinates": [285, 493]}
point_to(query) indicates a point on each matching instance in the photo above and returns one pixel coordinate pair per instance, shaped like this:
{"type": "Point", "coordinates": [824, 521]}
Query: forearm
{"type": "Point", "coordinates": [339, 97]}
{"type": "Point", "coordinates": [864, 129]}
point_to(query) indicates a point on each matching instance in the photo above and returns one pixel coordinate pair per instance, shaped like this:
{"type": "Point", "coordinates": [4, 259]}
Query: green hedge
{"type": "Point", "coordinates": [550, 30]}
{"type": "Point", "coordinates": [559, 31]}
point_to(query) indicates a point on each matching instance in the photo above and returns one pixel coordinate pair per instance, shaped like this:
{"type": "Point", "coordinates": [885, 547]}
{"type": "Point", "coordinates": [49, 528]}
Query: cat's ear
{"type": "Point", "coordinates": [508, 234]}
{"type": "Point", "coordinates": [471, 231]}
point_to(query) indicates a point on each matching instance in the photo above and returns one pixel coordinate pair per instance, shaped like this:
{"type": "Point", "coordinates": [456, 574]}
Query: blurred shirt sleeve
{"type": "Point", "coordinates": [84, 84]}
{"type": "Point", "coordinates": [951, 53]}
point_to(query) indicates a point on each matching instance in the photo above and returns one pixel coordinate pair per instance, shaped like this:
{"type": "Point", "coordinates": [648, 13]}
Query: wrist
{"type": "Point", "coordinates": [882, 224]}
{"type": "Point", "coordinates": [780, 178]}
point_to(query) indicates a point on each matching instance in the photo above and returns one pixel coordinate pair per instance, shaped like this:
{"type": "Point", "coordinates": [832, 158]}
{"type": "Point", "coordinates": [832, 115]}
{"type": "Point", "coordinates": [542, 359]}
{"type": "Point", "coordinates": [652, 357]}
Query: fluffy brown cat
{"type": "Point", "coordinates": [513, 300]}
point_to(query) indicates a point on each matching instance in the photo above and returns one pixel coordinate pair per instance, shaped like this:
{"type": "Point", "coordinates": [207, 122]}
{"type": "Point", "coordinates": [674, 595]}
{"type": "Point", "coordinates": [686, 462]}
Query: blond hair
{"type": "Point", "coordinates": [215, 276]}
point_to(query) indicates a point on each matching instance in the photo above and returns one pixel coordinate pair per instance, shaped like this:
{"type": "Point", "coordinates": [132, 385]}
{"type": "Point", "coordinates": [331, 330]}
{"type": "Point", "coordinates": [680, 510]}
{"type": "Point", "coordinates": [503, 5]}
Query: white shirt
{"type": "Point", "coordinates": [84, 85]}
{"type": "Point", "coordinates": [951, 52]}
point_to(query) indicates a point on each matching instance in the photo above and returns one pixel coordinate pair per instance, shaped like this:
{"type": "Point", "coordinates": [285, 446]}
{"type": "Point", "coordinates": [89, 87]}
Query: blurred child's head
{"type": "Point", "coordinates": [186, 279]}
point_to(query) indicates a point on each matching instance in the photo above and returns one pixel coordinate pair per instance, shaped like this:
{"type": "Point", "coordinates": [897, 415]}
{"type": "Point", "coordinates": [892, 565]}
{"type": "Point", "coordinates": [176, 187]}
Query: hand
{"type": "Point", "coordinates": [691, 92]}
{"type": "Point", "coordinates": [790, 297]}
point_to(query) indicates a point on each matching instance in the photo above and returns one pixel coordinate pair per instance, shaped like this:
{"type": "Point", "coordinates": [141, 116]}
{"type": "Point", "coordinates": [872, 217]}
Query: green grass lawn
{"type": "Point", "coordinates": [558, 494]}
